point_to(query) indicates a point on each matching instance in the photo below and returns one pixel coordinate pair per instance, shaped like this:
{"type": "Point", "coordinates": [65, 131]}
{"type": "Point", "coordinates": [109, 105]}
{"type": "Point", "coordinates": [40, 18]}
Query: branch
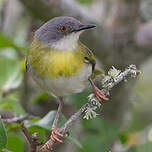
{"type": "Point", "coordinates": [8, 91]}
{"type": "Point", "coordinates": [32, 139]}
{"type": "Point", "coordinates": [17, 119]}
{"type": "Point", "coordinates": [5, 150]}
{"type": "Point", "coordinates": [113, 78]}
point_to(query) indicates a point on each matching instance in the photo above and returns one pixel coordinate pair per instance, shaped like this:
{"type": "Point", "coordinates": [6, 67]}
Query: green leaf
{"type": "Point", "coordinates": [10, 73]}
{"type": "Point", "coordinates": [41, 132]}
{"type": "Point", "coordinates": [42, 126]}
{"type": "Point", "coordinates": [123, 136]}
{"type": "Point", "coordinates": [41, 96]}
{"type": "Point", "coordinates": [45, 124]}
{"type": "Point", "coordinates": [105, 129]}
{"type": "Point", "coordinates": [6, 42]}
{"type": "Point", "coordinates": [47, 121]}
{"type": "Point", "coordinates": [72, 138]}
{"type": "Point", "coordinates": [100, 135]}
{"type": "Point", "coordinates": [12, 126]}
{"type": "Point", "coordinates": [78, 99]}
{"type": "Point", "coordinates": [147, 147]}
{"type": "Point", "coordinates": [150, 135]}
{"type": "Point", "coordinates": [84, 1]}
{"type": "Point", "coordinates": [15, 142]}
{"type": "Point", "coordinates": [93, 143]}
{"type": "Point", "coordinates": [8, 103]}
{"type": "Point", "coordinates": [3, 136]}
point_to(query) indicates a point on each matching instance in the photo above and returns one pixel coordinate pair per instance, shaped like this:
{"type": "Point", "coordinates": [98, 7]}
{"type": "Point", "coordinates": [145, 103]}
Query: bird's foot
{"type": "Point", "coordinates": [56, 134]}
{"type": "Point", "coordinates": [98, 93]}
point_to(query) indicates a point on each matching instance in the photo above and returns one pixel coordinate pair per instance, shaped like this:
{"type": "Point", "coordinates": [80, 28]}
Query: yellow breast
{"type": "Point", "coordinates": [48, 62]}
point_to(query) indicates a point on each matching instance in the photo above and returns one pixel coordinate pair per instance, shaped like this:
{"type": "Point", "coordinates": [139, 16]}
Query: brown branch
{"type": "Point", "coordinates": [32, 139]}
{"type": "Point", "coordinates": [131, 70]}
{"type": "Point", "coordinates": [16, 119]}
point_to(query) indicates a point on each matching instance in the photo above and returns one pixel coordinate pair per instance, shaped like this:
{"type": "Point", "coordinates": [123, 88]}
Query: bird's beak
{"type": "Point", "coordinates": [84, 27]}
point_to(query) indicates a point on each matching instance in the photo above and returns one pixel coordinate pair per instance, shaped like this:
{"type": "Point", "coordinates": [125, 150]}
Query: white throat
{"type": "Point", "coordinates": [69, 42]}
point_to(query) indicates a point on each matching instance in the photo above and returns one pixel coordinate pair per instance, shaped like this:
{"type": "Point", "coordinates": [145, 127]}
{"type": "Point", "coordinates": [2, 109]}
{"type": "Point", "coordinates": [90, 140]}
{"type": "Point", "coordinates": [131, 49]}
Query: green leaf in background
{"type": "Point", "coordinates": [12, 126]}
{"type": "Point", "coordinates": [105, 129]}
{"type": "Point", "coordinates": [72, 138]}
{"type": "Point", "coordinates": [47, 121]}
{"type": "Point", "coordinates": [41, 132]}
{"type": "Point", "coordinates": [32, 128]}
{"type": "Point", "coordinates": [150, 135]}
{"type": "Point", "coordinates": [15, 142]}
{"type": "Point", "coordinates": [41, 96]}
{"type": "Point", "coordinates": [10, 73]}
{"type": "Point", "coordinates": [9, 103]}
{"type": "Point", "coordinates": [99, 135]}
{"type": "Point", "coordinates": [123, 136]}
{"type": "Point", "coordinates": [6, 42]}
{"type": "Point", "coordinates": [91, 142]}
{"type": "Point", "coordinates": [42, 126]}
{"type": "Point", "coordinates": [45, 124]}
{"type": "Point", "coordinates": [3, 136]}
{"type": "Point", "coordinates": [147, 147]}
{"type": "Point", "coordinates": [78, 99]}
{"type": "Point", "coordinates": [84, 1]}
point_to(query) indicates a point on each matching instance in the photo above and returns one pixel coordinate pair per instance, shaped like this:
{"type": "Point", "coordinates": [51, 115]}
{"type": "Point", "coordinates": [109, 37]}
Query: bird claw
{"type": "Point", "coordinates": [55, 134]}
{"type": "Point", "coordinates": [98, 93]}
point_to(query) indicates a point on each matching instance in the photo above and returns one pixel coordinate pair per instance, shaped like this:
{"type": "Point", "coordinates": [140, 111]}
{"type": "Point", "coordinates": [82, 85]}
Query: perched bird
{"type": "Point", "coordinates": [60, 63]}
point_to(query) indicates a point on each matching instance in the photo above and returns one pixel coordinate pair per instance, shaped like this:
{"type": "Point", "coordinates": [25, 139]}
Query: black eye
{"type": "Point", "coordinates": [63, 28]}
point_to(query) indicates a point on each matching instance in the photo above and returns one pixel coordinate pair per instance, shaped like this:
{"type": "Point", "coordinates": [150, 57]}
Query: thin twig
{"type": "Point", "coordinates": [131, 70]}
{"type": "Point", "coordinates": [5, 150]}
{"type": "Point", "coordinates": [6, 92]}
{"type": "Point", "coordinates": [18, 119]}
{"type": "Point", "coordinates": [32, 139]}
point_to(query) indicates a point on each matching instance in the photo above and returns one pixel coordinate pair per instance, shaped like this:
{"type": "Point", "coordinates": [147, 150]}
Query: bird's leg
{"type": "Point", "coordinates": [98, 93]}
{"type": "Point", "coordinates": [55, 131]}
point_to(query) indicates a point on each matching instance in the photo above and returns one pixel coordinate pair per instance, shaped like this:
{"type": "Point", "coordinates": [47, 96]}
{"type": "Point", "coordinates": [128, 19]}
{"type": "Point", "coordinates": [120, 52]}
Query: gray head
{"type": "Point", "coordinates": [61, 32]}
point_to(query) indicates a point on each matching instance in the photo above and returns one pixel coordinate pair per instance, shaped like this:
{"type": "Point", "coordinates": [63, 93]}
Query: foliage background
{"type": "Point", "coordinates": [123, 36]}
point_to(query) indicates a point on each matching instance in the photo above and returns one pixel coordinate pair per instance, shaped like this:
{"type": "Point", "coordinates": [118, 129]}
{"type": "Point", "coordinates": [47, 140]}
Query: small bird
{"type": "Point", "coordinates": [60, 63]}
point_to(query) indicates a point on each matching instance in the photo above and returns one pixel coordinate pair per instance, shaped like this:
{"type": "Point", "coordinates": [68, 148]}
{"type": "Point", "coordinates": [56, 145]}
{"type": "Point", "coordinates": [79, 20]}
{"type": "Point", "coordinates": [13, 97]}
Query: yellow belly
{"type": "Point", "coordinates": [65, 86]}
{"type": "Point", "coordinates": [48, 62]}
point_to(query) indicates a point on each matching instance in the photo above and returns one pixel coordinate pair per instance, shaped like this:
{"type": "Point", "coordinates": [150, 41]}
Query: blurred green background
{"type": "Point", "coordinates": [123, 36]}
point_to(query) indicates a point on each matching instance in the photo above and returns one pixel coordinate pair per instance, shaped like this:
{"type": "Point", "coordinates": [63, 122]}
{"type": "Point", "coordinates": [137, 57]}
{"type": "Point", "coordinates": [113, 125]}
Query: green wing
{"type": "Point", "coordinates": [90, 58]}
{"type": "Point", "coordinates": [88, 55]}
{"type": "Point", "coordinates": [97, 72]}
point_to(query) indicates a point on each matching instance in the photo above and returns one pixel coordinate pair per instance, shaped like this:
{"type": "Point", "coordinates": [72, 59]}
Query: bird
{"type": "Point", "coordinates": [60, 63]}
